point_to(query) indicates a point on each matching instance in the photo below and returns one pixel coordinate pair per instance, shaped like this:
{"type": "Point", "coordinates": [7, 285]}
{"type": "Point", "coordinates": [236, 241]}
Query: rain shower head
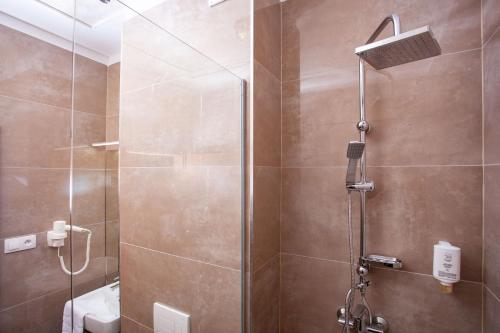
{"type": "Point", "coordinates": [355, 151]}
{"type": "Point", "coordinates": [400, 49]}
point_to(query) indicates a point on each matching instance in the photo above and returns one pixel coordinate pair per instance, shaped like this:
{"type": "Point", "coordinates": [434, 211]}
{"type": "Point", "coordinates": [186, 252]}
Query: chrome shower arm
{"type": "Point", "coordinates": [396, 25]}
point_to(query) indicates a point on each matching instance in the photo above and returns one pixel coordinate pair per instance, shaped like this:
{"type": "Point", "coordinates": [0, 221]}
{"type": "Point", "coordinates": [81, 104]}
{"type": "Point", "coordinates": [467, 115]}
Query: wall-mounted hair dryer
{"type": "Point", "coordinates": [56, 237]}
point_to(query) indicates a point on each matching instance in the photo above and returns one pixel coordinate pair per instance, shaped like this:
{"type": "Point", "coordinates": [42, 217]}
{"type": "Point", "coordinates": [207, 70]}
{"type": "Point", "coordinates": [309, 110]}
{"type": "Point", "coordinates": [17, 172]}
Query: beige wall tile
{"type": "Point", "coordinates": [32, 199]}
{"type": "Point", "coordinates": [41, 315]}
{"type": "Point", "coordinates": [406, 107]}
{"type": "Point", "coordinates": [88, 196]}
{"type": "Point", "coordinates": [88, 129]}
{"type": "Point", "coordinates": [35, 70]}
{"type": "Point", "coordinates": [29, 274]}
{"type": "Point", "coordinates": [130, 326]}
{"type": "Point", "coordinates": [188, 122]}
{"type": "Point", "coordinates": [113, 91]}
{"type": "Point", "coordinates": [491, 18]}
{"type": "Point", "coordinates": [491, 323]}
{"type": "Point", "coordinates": [267, 118]}
{"type": "Point", "coordinates": [220, 32]}
{"type": "Point", "coordinates": [266, 294]}
{"type": "Point", "coordinates": [210, 294]}
{"type": "Point", "coordinates": [112, 211]}
{"type": "Point", "coordinates": [492, 228]}
{"type": "Point", "coordinates": [266, 225]}
{"type": "Point", "coordinates": [413, 303]}
{"type": "Point", "coordinates": [112, 128]}
{"type": "Point", "coordinates": [318, 37]}
{"type": "Point", "coordinates": [311, 292]}
{"type": "Point", "coordinates": [413, 208]}
{"type": "Point", "coordinates": [267, 35]}
{"type": "Point", "coordinates": [34, 134]}
{"type": "Point", "coordinates": [190, 212]}
{"type": "Point", "coordinates": [90, 86]}
{"type": "Point", "coordinates": [314, 213]}
{"type": "Point", "coordinates": [492, 99]}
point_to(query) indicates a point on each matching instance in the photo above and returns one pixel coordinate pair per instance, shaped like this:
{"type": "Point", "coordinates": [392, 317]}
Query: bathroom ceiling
{"type": "Point", "coordinates": [98, 27]}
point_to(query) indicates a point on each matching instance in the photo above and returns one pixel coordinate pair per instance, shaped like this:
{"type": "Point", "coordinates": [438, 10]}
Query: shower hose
{"type": "Point", "coordinates": [87, 256]}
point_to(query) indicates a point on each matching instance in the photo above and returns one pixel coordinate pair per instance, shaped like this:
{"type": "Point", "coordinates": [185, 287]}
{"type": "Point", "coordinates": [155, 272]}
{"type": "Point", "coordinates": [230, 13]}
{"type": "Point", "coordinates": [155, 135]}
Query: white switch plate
{"type": "Point", "coordinates": [19, 243]}
{"type": "Point", "coordinates": [169, 320]}
{"type": "Point", "coordinates": [212, 3]}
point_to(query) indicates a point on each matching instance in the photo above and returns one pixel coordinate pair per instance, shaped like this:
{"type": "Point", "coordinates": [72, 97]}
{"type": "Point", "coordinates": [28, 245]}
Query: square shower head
{"type": "Point", "coordinates": [400, 49]}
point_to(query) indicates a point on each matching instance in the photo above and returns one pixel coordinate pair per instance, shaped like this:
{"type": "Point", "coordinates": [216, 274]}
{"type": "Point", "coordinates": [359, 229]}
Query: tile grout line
{"type": "Point", "coordinates": [375, 267]}
{"type": "Point", "coordinates": [387, 166]}
{"type": "Point", "coordinates": [136, 322]}
{"type": "Point", "coordinates": [497, 298]}
{"type": "Point", "coordinates": [61, 108]}
{"type": "Point", "coordinates": [180, 257]}
{"type": "Point", "coordinates": [265, 263]}
{"type": "Point", "coordinates": [331, 72]}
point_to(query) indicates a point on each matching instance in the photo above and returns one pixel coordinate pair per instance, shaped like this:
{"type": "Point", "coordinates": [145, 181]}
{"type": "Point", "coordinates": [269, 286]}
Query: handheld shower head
{"type": "Point", "coordinates": [355, 151]}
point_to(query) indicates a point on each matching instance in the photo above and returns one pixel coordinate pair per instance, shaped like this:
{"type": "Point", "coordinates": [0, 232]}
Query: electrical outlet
{"type": "Point", "coordinates": [19, 243]}
{"type": "Point", "coordinates": [169, 320]}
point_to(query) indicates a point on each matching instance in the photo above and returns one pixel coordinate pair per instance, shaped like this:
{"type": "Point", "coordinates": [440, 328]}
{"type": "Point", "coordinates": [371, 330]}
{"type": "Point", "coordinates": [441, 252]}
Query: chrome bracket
{"type": "Point", "coordinates": [374, 259]}
{"type": "Point", "coordinates": [361, 187]}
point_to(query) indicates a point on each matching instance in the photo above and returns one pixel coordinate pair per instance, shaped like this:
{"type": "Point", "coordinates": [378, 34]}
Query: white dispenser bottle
{"type": "Point", "coordinates": [446, 265]}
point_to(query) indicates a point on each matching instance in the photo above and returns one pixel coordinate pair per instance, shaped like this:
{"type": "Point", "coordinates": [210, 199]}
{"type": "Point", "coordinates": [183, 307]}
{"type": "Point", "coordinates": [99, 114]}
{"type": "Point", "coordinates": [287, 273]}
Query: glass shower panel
{"type": "Point", "coordinates": [35, 158]}
{"type": "Point", "coordinates": [163, 123]}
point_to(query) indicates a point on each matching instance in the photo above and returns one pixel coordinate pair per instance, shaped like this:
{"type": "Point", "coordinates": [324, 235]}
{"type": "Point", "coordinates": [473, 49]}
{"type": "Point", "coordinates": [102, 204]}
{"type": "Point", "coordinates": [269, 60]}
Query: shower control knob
{"type": "Point", "coordinates": [363, 126]}
{"type": "Point", "coordinates": [362, 270]}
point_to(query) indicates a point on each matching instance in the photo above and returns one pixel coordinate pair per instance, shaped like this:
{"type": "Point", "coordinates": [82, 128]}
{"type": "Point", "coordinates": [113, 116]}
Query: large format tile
{"type": "Point", "coordinates": [31, 199]}
{"type": "Point", "coordinates": [492, 99]}
{"type": "Point", "coordinates": [40, 315]}
{"type": "Point", "coordinates": [491, 308]}
{"type": "Point", "coordinates": [413, 303]}
{"type": "Point", "coordinates": [412, 209]}
{"type": "Point", "coordinates": [210, 294]}
{"type": "Point", "coordinates": [34, 134]}
{"type": "Point", "coordinates": [113, 91]}
{"type": "Point", "coordinates": [321, 35]}
{"type": "Point", "coordinates": [492, 228]}
{"type": "Point", "coordinates": [190, 212]}
{"type": "Point", "coordinates": [221, 33]}
{"type": "Point", "coordinates": [266, 225]}
{"type": "Point", "coordinates": [188, 122]}
{"type": "Point", "coordinates": [130, 326]}
{"type": "Point", "coordinates": [311, 292]}
{"type": "Point", "coordinates": [267, 118]}
{"type": "Point", "coordinates": [29, 274]}
{"type": "Point", "coordinates": [90, 86]}
{"type": "Point", "coordinates": [88, 200]}
{"type": "Point", "coordinates": [267, 35]}
{"type": "Point", "coordinates": [266, 294]}
{"type": "Point", "coordinates": [407, 108]}
{"type": "Point", "coordinates": [491, 18]}
{"type": "Point", "coordinates": [88, 129]}
{"type": "Point", "coordinates": [35, 70]}
{"type": "Point", "coordinates": [314, 213]}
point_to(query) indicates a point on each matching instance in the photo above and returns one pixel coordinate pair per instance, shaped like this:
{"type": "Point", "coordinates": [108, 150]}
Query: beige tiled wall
{"type": "Point", "coordinates": [265, 247]}
{"type": "Point", "coordinates": [180, 173]}
{"type": "Point", "coordinates": [35, 120]}
{"type": "Point", "coordinates": [491, 105]}
{"type": "Point", "coordinates": [424, 155]}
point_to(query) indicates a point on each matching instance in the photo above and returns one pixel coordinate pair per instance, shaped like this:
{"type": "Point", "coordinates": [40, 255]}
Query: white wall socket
{"type": "Point", "coordinates": [19, 243]}
{"type": "Point", "coordinates": [169, 320]}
